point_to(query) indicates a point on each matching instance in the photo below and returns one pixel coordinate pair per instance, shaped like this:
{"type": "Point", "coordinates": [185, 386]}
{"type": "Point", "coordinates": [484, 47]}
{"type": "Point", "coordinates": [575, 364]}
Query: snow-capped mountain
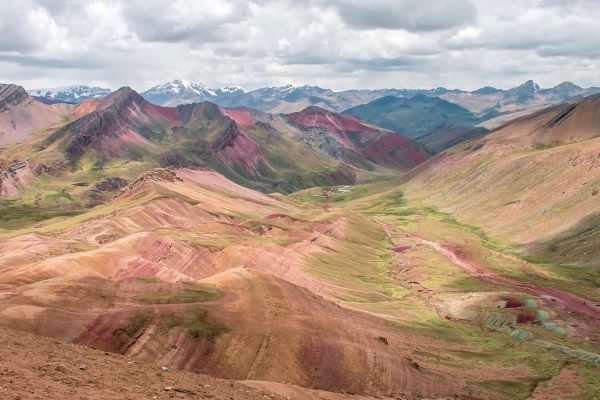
{"type": "Point", "coordinates": [229, 90]}
{"type": "Point", "coordinates": [70, 94]}
{"type": "Point", "coordinates": [178, 91]}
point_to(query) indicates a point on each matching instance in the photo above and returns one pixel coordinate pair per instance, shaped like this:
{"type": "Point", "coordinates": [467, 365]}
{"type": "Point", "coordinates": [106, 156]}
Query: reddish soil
{"type": "Point", "coordinates": [241, 116]}
{"type": "Point", "coordinates": [380, 146]}
{"type": "Point", "coordinates": [565, 385]}
{"type": "Point", "coordinates": [243, 151]}
{"type": "Point", "coordinates": [36, 367]}
{"type": "Point", "coordinates": [401, 249]}
{"type": "Point", "coordinates": [391, 147]}
{"type": "Point", "coordinates": [525, 318]}
{"type": "Point", "coordinates": [315, 116]}
{"type": "Point", "coordinates": [512, 302]}
{"type": "Point", "coordinates": [457, 256]}
{"type": "Point", "coordinates": [168, 113]}
{"type": "Point", "coordinates": [85, 108]}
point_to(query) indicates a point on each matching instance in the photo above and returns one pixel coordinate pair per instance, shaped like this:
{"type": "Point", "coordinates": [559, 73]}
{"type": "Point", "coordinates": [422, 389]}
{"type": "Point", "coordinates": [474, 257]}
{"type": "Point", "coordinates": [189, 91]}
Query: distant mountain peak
{"type": "Point", "coordinates": [181, 86]}
{"type": "Point", "coordinates": [525, 92]}
{"type": "Point", "coordinates": [11, 95]}
{"type": "Point", "coordinates": [529, 85]}
{"type": "Point", "coordinates": [486, 90]}
{"type": "Point", "coordinates": [178, 91]}
{"type": "Point", "coordinates": [122, 99]}
{"type": "Point", "coordinates": [316, 110]}
{"type": "Point", "coordinates": [10, 88]}
{"type": "Point", "coordinates": [231, 89]}
{"type": "Point", "coordinates": [122, 93]}
{"type": "Point", "coordinates": [70, 94]}
{"type": "Point", "coordinates": [567, 84]}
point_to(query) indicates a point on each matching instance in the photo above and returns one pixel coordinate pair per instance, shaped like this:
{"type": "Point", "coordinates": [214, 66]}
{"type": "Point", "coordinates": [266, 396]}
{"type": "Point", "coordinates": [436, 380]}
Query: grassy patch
{"type": "Point", "coordinates": [147, 279]}
{"type": "Point", "coordinates": [513, 389]}
{"type": "Point", "coordinates": [134, 325]}
{"type": "Point", "coordinates": [578, 245]}
{"type": "Point", "coordinates": [17, 216]}
{"type": "Point", "coordinates": [191, 293]}
{"type": "Point", "coordinates": [591, 383]}
{"type": "Point", "coordinates": [195, 322]}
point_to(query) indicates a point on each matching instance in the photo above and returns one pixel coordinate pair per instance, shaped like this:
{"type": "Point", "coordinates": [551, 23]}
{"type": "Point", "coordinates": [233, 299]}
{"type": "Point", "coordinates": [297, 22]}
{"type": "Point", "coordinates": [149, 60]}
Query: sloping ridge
{"type": "Point", "coordinates": [415, 116]}
{"type": "Point", "coordinates": [11, 95]}
{"type": "Point", "coordinates": [21, 115]}
{"type": "Point", "coordinates": [535, 179]}
{"type": "Point", "coordinates": [113, 126]}
{"type": "Point", "coordinates": [574, 122]}
{"type": "Point", "coordinates": [377, 145]}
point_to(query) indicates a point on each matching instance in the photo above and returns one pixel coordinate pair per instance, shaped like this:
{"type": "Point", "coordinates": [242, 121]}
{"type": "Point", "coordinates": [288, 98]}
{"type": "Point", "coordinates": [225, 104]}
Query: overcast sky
{"type": "Point", "coordinates": [338, 44]}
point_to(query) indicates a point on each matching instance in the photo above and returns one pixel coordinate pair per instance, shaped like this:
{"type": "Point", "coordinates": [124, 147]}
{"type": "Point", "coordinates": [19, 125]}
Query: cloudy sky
{"type": "Point", "coordinates": [338, 44]}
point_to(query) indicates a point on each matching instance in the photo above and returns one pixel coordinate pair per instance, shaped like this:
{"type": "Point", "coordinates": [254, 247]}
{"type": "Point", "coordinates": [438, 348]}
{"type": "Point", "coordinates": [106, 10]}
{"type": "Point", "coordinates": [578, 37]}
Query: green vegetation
{"type": "Point", "coordinates": [579, 245]}
{"type": "Point", "coordinates": [147, 279]}
{"type": "Point", "coordinates": [134, 325]}
{"type": "Point", "coordinates": [591, 383]}
{"type": "Point", "coordinates": [195, 322]}
{"type": "Point", "coordinates": [14, 215]}
{"type": "Point", "coordinates": [191, 293]}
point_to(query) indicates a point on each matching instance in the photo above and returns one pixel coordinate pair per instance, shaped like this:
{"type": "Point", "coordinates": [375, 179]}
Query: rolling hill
{"type": "Point", "coordinates": [186, 269]}
{"type": "Point", "coordinates": [534, 180]}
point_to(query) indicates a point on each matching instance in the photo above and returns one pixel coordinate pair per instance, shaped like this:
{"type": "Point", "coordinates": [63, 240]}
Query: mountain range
{"type": "Point", "coordinates": [69, 94]}
{"type": "Point", "coordinates": [311, 254]}
{"type": "Point", "coordinates": [444, 116]}
{"type": "Point", "coordinates": [248, 146]}
{"type": "Point", "coordinates": [485, 102]}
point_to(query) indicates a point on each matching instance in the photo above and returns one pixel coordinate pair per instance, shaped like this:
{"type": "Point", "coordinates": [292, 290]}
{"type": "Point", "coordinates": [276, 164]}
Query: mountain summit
{"type": "Point", "coordinates": [178, 91]}
{"type": "Point", "coordinates": [70, 94]}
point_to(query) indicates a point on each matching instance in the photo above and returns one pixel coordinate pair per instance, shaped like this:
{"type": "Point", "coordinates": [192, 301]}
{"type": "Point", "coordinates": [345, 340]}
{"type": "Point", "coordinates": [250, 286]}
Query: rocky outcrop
{"type": "Point", "coordinates": [11, 95]}
{"type": "Point", "coordinates": [110, 184]}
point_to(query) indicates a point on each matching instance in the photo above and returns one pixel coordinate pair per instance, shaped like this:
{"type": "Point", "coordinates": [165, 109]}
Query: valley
{"type": "Point", "coordinates": [309, 255]}
{"type": "Point", "coordinates": [186, 269]}
{"type": "Point", "coordinates": [299, 200]}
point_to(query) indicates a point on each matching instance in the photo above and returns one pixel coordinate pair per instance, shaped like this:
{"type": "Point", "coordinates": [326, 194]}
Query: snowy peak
{"type": "Point", "coordinates": [71, 94]}
{"type": "Point", "coordinates": [181, 87]}
{"type": "Point", "coordinates": [178, 91]}
{"type": "Point", "coordinates": [230, 90]}
{"type": "Point", "coordinates": [289, 92]}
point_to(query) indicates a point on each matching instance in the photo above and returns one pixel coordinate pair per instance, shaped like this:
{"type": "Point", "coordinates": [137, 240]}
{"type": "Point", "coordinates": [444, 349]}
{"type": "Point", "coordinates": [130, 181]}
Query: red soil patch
{"type": "Point", "coordinates": [243, 151]}
{"type": "Point", "coordinates": [401, 249]}
{"type": "Point", "coordinates": [525, 318]}
{"type": "Point", "coordinates": [511, 302]}
{"type": "Point", "coordinates": [457, 255]}
{"type": "Point", "coordinates": [392, 148]}
{"type": "Point", "coordinates": [37, 367]}
{"type": "Point", "coordinates": [168, 113]}
{"type": "Point", "coordinates": [85, 108]}
{"type": "Point", "coordinates": [241, 116]}
{"type": "Point", "coordinates": [318, 117]}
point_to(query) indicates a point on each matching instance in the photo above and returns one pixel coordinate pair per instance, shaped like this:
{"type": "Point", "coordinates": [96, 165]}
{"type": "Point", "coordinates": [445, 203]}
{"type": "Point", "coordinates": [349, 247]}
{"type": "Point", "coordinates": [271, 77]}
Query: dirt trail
{"type": "Point", "coordinates": [576, 303]}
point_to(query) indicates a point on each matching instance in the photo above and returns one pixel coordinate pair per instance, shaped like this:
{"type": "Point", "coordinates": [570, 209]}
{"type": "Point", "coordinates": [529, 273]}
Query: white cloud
{"type": "Point", "coordinates": [332, 43]}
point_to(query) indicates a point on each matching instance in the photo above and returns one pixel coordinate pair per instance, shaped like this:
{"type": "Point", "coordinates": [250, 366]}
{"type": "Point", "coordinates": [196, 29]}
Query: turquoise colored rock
{"type": "Point", "coordinates": [541, 315]}
{"type": "Point", "coordinates": [530, 303]}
